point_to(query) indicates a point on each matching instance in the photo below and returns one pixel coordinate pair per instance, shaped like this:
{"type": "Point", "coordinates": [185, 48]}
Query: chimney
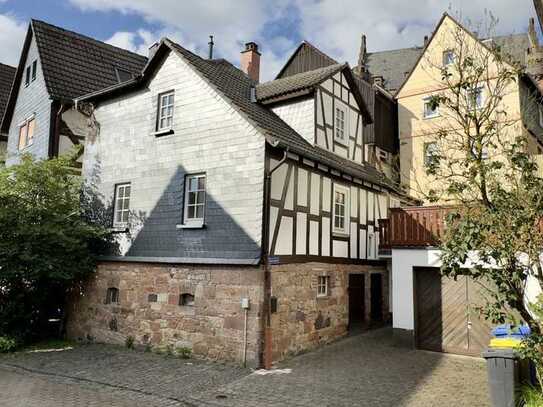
{"type": "Point", "coordinates": [425, 40]}
{"type": "Point", "coordinates": [152, 50]}
{"type": "Point", "coordinates": [250, 61]}
{"type": "Point", "coordinates": [210, 43]}
{"type": "Point", "coordinates": [379, 80]}
{"type": "Point", "coordinates": [361, 69]}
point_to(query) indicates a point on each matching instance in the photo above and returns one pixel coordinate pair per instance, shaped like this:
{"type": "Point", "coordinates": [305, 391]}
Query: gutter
{"type": "Point", "coordinates": [267, 354]}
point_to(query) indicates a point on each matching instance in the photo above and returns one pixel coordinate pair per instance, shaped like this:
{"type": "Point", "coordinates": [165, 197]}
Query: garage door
{"type": "Point", "coordinates": [446, 317]}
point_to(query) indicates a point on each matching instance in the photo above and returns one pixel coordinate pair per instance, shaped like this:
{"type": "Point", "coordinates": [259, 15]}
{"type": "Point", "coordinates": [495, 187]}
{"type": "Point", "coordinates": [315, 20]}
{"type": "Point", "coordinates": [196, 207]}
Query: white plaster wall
{"type": "Point", "coordinates": [403, 261]}
{"type": "Point", "coordinates": [299, 115]}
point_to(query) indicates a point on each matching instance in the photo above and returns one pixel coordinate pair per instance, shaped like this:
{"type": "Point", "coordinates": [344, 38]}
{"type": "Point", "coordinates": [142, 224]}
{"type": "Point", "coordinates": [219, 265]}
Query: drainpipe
{"type": "Point", "coordinates": [265, 257]}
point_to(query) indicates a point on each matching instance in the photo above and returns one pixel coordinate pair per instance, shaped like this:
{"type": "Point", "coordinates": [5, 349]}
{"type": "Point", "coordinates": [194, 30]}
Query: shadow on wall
{"type": "Point", "coordinates": [160, 232]}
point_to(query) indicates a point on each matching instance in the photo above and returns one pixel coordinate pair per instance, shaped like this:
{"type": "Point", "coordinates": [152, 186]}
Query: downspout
{"type": "Point", "coordinates": [265, 258]}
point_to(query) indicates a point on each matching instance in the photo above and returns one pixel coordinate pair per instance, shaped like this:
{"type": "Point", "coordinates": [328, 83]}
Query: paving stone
{"type": "Point", "coordinates": [362, 370]}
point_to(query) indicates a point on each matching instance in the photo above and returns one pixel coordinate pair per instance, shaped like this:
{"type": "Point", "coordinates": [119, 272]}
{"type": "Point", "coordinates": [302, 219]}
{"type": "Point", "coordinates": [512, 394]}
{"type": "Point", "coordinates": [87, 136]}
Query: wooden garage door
{"type": "Point", "coordinates": [446, 319]}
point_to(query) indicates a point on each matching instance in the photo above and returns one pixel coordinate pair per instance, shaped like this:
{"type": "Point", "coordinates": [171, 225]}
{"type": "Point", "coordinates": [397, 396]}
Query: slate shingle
{"type": "Point", "coordinates": [74, 64]}
{"type": "Point", "coordinates": [7, 74]}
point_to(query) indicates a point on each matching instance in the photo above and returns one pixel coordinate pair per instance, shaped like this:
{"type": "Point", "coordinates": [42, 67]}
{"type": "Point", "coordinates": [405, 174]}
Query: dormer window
{"type": "Point", "coordinates": [165, 111]}
{"type": "Point", "coordinates": [340, 124]}
{"type": "Point", "coordinates": [122, 75]}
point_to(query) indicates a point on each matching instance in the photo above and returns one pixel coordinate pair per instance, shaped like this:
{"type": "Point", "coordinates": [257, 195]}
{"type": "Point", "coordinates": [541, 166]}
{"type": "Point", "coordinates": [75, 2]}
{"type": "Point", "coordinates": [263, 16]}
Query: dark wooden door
{"type": "Point", "coordinates": [376, 310]}
{"type": "Point", "coordinates": [445, 314]}
{"type": "Point", "coordinates": [356, 298]}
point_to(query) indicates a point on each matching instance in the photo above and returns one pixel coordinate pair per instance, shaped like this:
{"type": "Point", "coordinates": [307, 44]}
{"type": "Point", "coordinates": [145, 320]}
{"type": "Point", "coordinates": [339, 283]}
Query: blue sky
{"type": "Point", "coordinates": [278, 26]}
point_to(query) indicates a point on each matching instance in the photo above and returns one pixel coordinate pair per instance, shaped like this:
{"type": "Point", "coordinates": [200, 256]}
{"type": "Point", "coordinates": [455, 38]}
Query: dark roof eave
{"type": "Point", "coordinates": [102, 93]}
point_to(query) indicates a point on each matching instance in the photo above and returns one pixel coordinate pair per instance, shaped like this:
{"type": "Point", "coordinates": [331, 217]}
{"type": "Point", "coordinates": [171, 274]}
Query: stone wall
{"type": "Point", "coordinates": [304, 321]}
{"type": "Point", "coordinates": [148, 308]}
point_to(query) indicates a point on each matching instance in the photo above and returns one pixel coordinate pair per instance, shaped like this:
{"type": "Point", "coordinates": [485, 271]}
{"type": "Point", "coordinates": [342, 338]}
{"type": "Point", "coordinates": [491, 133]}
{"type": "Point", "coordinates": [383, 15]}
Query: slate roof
{"type": "Point", "coordinates": [236, 87]}
{"type": "Point", "coordinates": [74, 64]}
{"type": "Point", "coordinates": [395, 65]}
{"type": "Point", "coordinates": [295, 83]}
{"type": "Point", "coordinates": [7, 74]}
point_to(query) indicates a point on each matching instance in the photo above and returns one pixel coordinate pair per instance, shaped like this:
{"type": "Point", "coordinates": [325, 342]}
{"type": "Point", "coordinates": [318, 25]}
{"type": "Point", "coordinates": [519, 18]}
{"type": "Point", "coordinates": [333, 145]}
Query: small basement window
{"type": "Point", "coordinates": [323, 286]}
{"type": "Point", "coordinates": [152, 298]}
{"type": "Point", "coordinates": [112, 295]}
{"type": "Point", "coordinates": [186, 300]}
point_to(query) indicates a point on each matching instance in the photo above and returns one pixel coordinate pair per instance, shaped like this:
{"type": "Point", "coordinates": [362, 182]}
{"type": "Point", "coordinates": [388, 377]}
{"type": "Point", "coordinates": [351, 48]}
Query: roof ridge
{"type": "Point", "coordinates": [86, 37]}
{"type": "Point", "coordinates": [300, 74]}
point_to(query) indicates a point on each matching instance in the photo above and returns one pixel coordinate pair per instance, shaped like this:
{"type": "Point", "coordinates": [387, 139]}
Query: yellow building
{"type": "Point", "coordinates": [419, 120]}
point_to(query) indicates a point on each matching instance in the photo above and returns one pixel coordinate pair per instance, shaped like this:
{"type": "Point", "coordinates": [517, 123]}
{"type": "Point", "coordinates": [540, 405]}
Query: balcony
{"type": "Point", "coordinates": [420, 226]}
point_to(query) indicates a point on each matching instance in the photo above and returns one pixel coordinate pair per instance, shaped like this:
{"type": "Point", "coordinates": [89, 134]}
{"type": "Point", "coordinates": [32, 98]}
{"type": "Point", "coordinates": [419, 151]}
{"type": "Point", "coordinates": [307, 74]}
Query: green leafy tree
{"type": "Point", "coordinates": [486, 166]}
{"type": "Point", "coordinates": [48, 244]}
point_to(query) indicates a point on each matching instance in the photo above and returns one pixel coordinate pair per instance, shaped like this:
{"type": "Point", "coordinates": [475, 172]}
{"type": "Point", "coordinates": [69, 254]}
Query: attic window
{"type": "Point", "coordinates": [27, 76]}
{"type": "Point", "coordinates": [448, 57]}
{"type": "Point", "coordinates": [122, 75]}
{"type": "Point", "coordinates": [34, 69]}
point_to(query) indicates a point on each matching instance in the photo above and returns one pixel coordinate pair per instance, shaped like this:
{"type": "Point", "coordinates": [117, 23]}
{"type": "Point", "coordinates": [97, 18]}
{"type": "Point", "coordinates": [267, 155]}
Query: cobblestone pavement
{"type": "Point", "coordinates": [363, 370]}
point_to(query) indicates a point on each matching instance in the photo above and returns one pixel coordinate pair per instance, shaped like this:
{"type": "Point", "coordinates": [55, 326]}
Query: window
{"type": "Point", "coordinates": [152, 298]}
{"type": "Point", "coordinates": [323, 286]}
{"type": "Point", "coordinates": [122, 205]}
{"type": "Point", "coordinates": [475, 98]}
{"type": "Point", "coordinates": [431, 154]}
{"type": "Point", "coordinates": [112, 295]}
{"type": "Point", "coordinates": [195, 199]}
{"type": "Point", "coordinates": [34, 69]}
{"type": "Point", "coordinates": [340, 124]}
{"type": "Point", "coordinates": [341, 209]}
{"type": "Point", "coordinates": [26, 133]}
{"type": "Point", "coordinates": [27, 76]}
{"type": "Point", "coordinates": [430, 108]}
{"type": "Point", "coordinates": [186, 300]}
{"type": "Point", "coordinates": [165, 111]}
{"type": "Point", "coordinates": [540, 116]}
{"type": "Point", "coordinates": [448, 57]}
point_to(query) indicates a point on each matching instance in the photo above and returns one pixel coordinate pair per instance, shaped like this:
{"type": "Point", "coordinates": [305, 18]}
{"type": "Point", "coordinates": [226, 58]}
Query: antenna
{"type": "Point", "coordinates": [211, 43]}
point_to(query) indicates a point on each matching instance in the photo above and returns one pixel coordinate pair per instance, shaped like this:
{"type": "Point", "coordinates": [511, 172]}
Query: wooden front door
{"type": "Point", "coordinates": [446, 319]}
{"type": "Point", "coordinates": [356, 298]}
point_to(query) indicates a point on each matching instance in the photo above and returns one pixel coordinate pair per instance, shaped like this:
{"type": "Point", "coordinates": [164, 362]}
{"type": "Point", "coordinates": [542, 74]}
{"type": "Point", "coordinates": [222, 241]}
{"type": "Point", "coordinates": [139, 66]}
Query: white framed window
{"type": "Point", "coordinates": [340, 128]}
{"type": "Point", "coordinates": [429, 109]}
{"type": "Point", "coordinates": [26, 133]}
{"type": "Point", "coordinates": [341, 211]}
{"type": "Point", "coordinates": [323, 286]}
{"type": "Point", "coordinates": [448, 57]}
{"type": "Point", "coordinates": [165, 111]}
{"type": "Point", "coordinates": [195, 199]}
{"type": "Point", "coordinates": [476, 98]}
{"type": "Point", "coordinates": [121, 209]}
{"type": "Point", "coordinates": [431, 154]}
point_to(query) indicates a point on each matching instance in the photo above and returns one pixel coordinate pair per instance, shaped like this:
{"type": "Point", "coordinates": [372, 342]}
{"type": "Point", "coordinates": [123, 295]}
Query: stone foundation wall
{"type": "Point", "coordinates": [148, 308]}
{"type": "Point", "coordinates": [304, 321]}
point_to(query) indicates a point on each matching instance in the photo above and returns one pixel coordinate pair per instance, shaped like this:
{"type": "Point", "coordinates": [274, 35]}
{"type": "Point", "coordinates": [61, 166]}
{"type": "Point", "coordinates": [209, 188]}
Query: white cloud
{"type": "Point", "coordinates": [12, 35]}
{"type": "Point", "coordinates": [332, 25]}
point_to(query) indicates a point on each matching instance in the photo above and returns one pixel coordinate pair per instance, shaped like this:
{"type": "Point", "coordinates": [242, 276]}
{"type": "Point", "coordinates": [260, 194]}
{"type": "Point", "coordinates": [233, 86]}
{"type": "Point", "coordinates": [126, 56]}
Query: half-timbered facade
{"type": "Point", "coordinates": [232, 190]}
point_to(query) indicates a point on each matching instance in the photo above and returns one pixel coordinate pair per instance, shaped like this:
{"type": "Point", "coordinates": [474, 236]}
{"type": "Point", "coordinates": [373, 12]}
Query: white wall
{"type": "Point", "coordinates": [300, 115]}
{"type": "Point", "coordinates": [403, 261]}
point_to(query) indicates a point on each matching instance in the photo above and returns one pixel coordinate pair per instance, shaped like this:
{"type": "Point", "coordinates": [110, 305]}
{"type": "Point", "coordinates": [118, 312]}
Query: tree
{"type": "Point", "coordinates": [484, 163]}
{"type": "Point", "coordinates": [47, 243]}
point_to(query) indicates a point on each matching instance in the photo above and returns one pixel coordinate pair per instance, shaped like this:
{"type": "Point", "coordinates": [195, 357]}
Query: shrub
{"type": "Point", "coordinates": [183, 352]}
{"type": "Point", "coordinates": [7, 344]}
{"type": "Point", "coordinates": [532, 397]}
{"type": "Point", "coordinates": [129, 342]}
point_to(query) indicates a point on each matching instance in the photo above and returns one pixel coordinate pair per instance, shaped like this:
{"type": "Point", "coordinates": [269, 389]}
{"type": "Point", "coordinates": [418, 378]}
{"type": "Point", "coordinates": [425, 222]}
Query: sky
{"type": "Point", "coordinates": [278, 26]}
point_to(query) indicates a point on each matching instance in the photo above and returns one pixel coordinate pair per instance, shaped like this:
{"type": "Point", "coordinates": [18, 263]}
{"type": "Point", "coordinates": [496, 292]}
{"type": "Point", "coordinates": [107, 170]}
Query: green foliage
{"type": "Point", "coordinates": [129, 342]}
{"type": "Point", "coordinates": [47, 244]}
{"type": "Point", "coordinates": [7, 344]}
{"type": "Point", "coordinates": [183, 352]}
{"type": "Point", "coordinates": [532, 397]}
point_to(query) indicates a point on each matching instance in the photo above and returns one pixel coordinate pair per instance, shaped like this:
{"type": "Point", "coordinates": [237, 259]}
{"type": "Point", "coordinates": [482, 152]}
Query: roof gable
{"type": "Point", "coordinates": [72, 64]}
{"type": "Point", "coordinates": [236, 88]}
{"type": "Point", "coordinates": [305, 58]}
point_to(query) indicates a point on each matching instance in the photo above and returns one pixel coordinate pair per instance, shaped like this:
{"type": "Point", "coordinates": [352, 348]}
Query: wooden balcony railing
{"type": "Point", "coordinates": [419, 226]}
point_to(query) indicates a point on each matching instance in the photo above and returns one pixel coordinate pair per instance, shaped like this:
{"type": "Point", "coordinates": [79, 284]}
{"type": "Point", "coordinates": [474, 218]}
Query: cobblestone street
{"type": "Point", "coordinates": [363, 370]}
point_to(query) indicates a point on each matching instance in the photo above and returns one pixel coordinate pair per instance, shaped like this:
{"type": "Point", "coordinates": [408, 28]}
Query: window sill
{"type": "Point", "coordinates": [341, 141]}
{"type": "Point", "coordinates": [430, 117]}
{"type": "Point", "coordinates": [164, 132]}
{"type": "Point", "coordinates": [191, 226]}
{"type": "Point", "coordinates": [119, 229]}
{"type": "Point", "coordinates": [340, 234]}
